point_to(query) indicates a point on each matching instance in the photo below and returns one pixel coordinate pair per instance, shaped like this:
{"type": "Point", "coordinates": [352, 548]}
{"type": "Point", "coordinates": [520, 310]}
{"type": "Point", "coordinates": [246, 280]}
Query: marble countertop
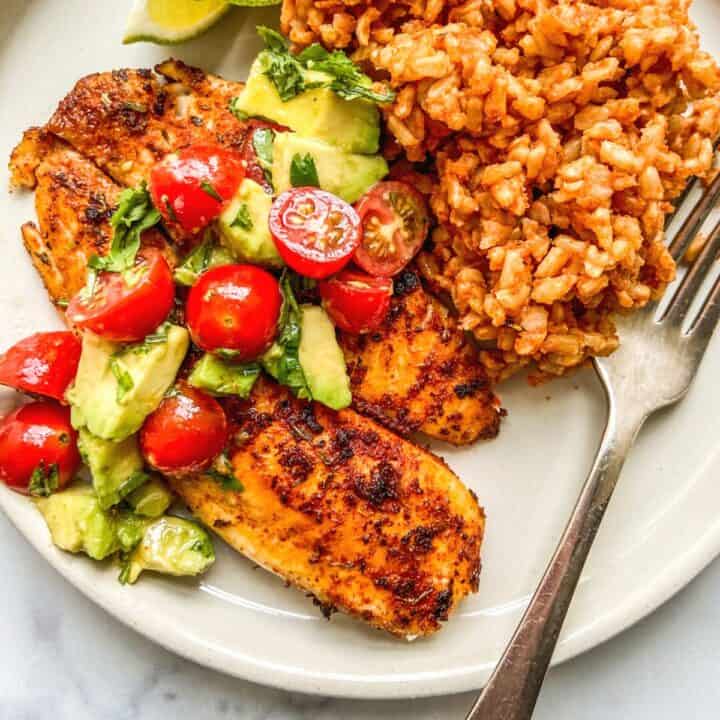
{"type": "Point", "coordinates": [65, 659]}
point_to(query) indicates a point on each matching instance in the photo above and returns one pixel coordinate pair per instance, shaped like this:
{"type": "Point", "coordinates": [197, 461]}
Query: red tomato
{"type": "Point", "coordinates": [356, 302]}
{"type": "Point", "coordinates": [38, 448]}
{"type": "Point", "coordinates": [190, 187]}
{"type": "Point", "coordinates": [43, 364]}
{"type": "Point", "coordinates": [253, 168]}
{"type": "Point", "coordinates": [185, 433]}
{"type": "Point", "coordinates": [315, 232]}
{"type": "Point", "coordinates": [127, 306]}
{"type": "Point", "coordinates": [235, 308]}
{"type": "Point", "coordinates": [395, 224]}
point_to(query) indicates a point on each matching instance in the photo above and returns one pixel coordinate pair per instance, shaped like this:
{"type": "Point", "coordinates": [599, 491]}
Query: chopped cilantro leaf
{"type": "Point", "coordinates": [263, 139]}
{"type": "Point", "coordinates": [273, 39]}
{"type": "Point", "coordinates": [303, 172]}
{"type": "Point", "coordinates": [242, 219]}
{"type": "Point", "coordinates": [135, 214]}
{"type": "Point", "coordinates": [125, 568]}
{"type": "Point", "coordinates": [233, 107]}
{"type": "Point", "coordinates": [287, 71]}
{"type": "Point", "coordinates": [123, 377]}
{"type": "Point", "coordinates": [207, 187]}
{"type": "Point", "coordinates": [44, 480]}
{"type": "Point", "coordinates": [158, 337]}
{"type": "Point", "coordinates": [170, 209]}
{"type": "Point", "coordinates": [282, 360]}
{"type": "Point", "coordinates": [226, 480]}
{"type": "Point", "coordinates": [311, 54]}
{"type": "Point", "coordinates": [279, 65]}
{"type": "Point", "coordinates": [349, 82]}
{"type": "Point", "coordinates": [226, 354]}
{"type": "Point", "coordinates": [222, 472]}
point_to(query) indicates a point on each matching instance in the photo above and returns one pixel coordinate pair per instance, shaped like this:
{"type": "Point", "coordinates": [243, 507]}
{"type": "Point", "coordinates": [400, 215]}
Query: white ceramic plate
{"type": "Point", "coordinates": [662, 528]}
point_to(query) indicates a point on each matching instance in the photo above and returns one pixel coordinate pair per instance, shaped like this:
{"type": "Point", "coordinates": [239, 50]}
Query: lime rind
{"type": "Point", "coordinates": [254, 3]}
{"type": "Point", "coordinates": [141, 27]}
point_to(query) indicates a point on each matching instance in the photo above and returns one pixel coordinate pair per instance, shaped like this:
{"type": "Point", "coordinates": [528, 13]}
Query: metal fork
{"type": "Point", "coordinates": [660, 352]}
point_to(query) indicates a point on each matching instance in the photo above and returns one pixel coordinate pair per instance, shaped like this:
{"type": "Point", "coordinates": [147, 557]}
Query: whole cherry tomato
{"type": "Point", "coordinates": [43, 364]}
{"type": "Point", "coordinates": [126, 306]}
{"type": "Point", "coordinates": [187, 431]}
{"type": "Point", "coordinates": [234, 308]}
{"type": "Point", "coordinates": [315, 232]}
{"type": "Point", "coordinates": [356, 302]}
{"type": "Point", "coordinates": [190, 187]}
{"type": "Point", "coordinates": [38, 448]}
{"type": "Point", "coordinates": [395, 223]}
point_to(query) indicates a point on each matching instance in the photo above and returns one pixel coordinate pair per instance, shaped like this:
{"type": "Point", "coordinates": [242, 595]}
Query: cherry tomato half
{"type": "Point", "coordinates": [43, 364]}
{"type": "Point", "coordinates": [253, 168]}
{"type": "Point", "coordinates": [38, 448]}
{"type": "Point", "coordinates": [187, 431]}
{"type": "Point", "coordinates": [190, 187]}
{"type": "Point", "coordinates": [235, 308]}
{"type": "Point", "coordinates": [356, 302]}
{"type": "Point", "coordinates": [395, 224]}
{"type": "Point", "coordinates": [127, 306]}
{"type": "Point", "coordinates": [315, 232]}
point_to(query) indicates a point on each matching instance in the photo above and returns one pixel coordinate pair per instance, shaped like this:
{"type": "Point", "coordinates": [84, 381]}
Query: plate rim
{"type": "Point", "coordinates": [419, 684]}
{"type": "Point", "coordinates": [633, 607]}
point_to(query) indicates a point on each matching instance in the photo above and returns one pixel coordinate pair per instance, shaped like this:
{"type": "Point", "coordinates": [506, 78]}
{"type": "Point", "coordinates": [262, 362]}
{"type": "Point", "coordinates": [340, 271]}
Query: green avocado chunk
{"type": "Point", "coordinates": [77, 523]}
{"type": "Point", "coordinates": [117, 387]}
{"type": "Point", "coordinates": [173, 546]}
{"type": "Point", "coordinates": [244, 227]}
{"type": "Point", "coordinates": [322, 360]}
{"type": "Point", "coordinates": [223, 377]}
{"type": "Point", "coordinates": [116, 467]}
{"type": "Point", "coordinates": [347, 175]}
{"type": "Point", "coordinates": [351, 125]}
{"type": "Point", "coordinates": [130, 529]}
{"type": "Point", "coordinates": [205, 256]}
{"type": "Point", "coordinates": [166, 544]}
{"type": "Point", "coordinates": [151, 499]}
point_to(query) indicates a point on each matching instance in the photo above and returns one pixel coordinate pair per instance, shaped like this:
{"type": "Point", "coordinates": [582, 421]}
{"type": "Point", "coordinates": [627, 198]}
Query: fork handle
{"type": "Point", "coordinates": [514, 686]}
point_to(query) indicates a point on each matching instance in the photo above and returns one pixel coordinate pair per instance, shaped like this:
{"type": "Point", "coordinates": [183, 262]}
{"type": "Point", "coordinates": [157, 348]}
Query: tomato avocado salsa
{"type": "Point", "coordinates": [268, 272]}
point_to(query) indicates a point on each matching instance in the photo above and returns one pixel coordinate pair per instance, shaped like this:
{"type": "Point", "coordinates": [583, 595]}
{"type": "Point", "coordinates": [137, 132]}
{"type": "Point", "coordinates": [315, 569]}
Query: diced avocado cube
{"type": "Point", "coordinates": [205, 256]}
{"type": "Point", "coordinates": [114, 409]}
{"type": "Point", "coordinates": [78, 524]}
{"type": "Point", "coordinates": [116, 467]}
{"type": "Point", "coordinates": [222, 377]}
{"type": "Point", "coordinates": [151, 499]}
{"type": "Point", "coordinates": [130, 530]}
{"type": "Point", "coordinates": [173, 546]}
{"type": "Point", "coordinates": [244, 227]}
{"type": "Point", "coordinates": [351, 125]}
{"type": "Point", "coordinates": [347, 175]}
{"type": "Point", "coordinates": [322, 360]}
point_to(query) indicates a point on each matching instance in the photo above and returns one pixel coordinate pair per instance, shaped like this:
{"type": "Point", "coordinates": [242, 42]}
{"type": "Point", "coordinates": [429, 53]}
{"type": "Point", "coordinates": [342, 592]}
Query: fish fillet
{"type": "Point", "coordinates": [344, 509]}
{"type": "Point", "coordinates": [74, 201]}
{"type": "Point", "coordinates": [418, 372]}
{"type": "Point", "coordinates": [127, 120]}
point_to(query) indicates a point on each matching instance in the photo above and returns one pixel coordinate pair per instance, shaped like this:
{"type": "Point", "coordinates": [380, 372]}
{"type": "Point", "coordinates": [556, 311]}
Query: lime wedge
{"type": "Point", "coordinates": [172, 21]}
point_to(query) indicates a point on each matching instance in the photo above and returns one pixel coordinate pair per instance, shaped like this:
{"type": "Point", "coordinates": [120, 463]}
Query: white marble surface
{"type": "Point", "coordinates": [64, 659]}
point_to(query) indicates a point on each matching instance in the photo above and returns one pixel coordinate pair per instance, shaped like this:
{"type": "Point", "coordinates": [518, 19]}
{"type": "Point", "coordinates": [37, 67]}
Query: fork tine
{"type": "Point", "coordinates": [686, 291]}
{"type": "Point", "coordinates": [693, 222]}
{"type": "Point", "coordinates": [679, 200]}
{"type": "Point", "coordinates": [706, 320]}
